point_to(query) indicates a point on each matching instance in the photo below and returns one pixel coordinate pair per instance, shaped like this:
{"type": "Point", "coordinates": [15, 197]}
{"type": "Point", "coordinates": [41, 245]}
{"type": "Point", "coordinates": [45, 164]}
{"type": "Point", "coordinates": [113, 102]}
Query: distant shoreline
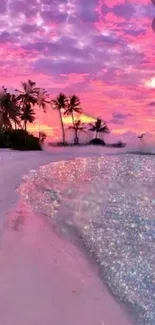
{"type": "Point", "coordinates": [111, 145]}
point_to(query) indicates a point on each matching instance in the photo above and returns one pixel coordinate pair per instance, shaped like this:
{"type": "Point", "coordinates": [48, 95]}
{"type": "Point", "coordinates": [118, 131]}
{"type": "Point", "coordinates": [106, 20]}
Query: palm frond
{"type": "Point", "coordinates": [93, 128]}
{"type": "Point", "coordinates": [60, 102]}
{"type": "Point", "coordinates": [19, 91]}
{"type": "Point", "coordinates": [99, 126]}
{"type": "Point", "coordinates": [104, 129]}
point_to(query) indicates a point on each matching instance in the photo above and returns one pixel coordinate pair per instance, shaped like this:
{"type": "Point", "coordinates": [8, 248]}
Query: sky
{"type": "Point", "coordinates": [100, 50]}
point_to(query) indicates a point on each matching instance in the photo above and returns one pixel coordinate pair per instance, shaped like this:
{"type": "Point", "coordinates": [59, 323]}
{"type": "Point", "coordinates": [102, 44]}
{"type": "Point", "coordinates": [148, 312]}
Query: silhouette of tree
{"type": "Point", "coordinates": [28, 115]}
{"type": "Point", "coordinates": [42, 136]}
{"type": "Point", "coordinates": [28, 94]}
{"type": "Point", "coordinates": [27, 100]}
{"type": "Point", "coordinates": [99, 126]}
{"type": "Point", "coordinates": [60, 104]}
{"type": "Point", "coordinates": [42, 101]}
{"type": "Point", "coordinates": [77, 127]}
{"type": "Point", "coordinates": [9, 110]}
{"type": "Point", "coordinates": [73, 106]}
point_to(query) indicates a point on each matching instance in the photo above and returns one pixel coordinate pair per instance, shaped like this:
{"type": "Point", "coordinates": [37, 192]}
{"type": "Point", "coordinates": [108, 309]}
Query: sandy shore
{"type": "Point", "coordinates": [44, 279]}
{"type": "Point", "coordinates": [14, 164]}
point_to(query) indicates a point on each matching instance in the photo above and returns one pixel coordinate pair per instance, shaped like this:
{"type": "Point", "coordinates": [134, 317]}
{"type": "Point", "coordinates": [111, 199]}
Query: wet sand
{"type": "Point", "coordinates": [43, 278]}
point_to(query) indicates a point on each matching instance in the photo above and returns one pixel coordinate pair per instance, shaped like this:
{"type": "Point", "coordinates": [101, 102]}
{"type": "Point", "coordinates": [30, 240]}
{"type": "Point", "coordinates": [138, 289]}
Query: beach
{"type": "Point", "coordinates": [44, 278]}
{"type": "Point", "coordinates": [77, 162]}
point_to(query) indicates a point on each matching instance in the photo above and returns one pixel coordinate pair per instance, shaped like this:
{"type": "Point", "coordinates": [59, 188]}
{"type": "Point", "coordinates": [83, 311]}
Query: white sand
{"type": "Point", "coordinates": [44, 280]}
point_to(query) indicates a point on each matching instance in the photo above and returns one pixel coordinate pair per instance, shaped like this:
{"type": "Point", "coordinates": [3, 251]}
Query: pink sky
{"type": "Point", "coordinates": [101, 50]}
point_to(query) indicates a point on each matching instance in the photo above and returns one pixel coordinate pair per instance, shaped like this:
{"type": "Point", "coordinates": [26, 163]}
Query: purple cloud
{"type": "Point", "coordinates": [111, 42]}
{"type": "Point", "coordinates": [5, 37]}
{"type": "Point", "coordinates": [27, 28]}
{"type": "Point", "coordinates": [126, 10]}
{"type": "Point", "coordinates": [3, 7]}
{"type": "Point", "coordinates": [119, 117]}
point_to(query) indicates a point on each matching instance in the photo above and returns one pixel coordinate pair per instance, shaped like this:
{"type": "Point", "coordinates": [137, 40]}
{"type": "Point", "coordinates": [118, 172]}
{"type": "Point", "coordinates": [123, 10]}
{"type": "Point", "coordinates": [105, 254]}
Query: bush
{"type": "Point", "coordinates": [4, 140]}
{"type": "Point", "coordinates": [97, 142]}
{"type": "Point", "coordinates": [19, 140]}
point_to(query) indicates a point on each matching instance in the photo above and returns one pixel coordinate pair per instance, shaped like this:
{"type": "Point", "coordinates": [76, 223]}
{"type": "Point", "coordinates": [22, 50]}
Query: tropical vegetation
{"type": "Point", "coordinates": [78, 126]}
{"type": "Point", "coordinates": [60, 104]}
{"type": "Point", "coordinates": [18, 110]}
{"type": "Point", "coordinates": [98, 127]}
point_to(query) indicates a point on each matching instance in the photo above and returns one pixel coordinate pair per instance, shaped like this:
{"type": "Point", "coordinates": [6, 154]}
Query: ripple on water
{"type": "Point", "coordinates": [110, 203]}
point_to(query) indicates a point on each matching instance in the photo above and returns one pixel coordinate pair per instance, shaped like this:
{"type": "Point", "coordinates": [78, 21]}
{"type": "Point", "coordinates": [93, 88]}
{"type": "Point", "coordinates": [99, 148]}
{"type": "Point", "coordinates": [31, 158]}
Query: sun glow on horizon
{"type": "Point", "coordinates": [151, 83]}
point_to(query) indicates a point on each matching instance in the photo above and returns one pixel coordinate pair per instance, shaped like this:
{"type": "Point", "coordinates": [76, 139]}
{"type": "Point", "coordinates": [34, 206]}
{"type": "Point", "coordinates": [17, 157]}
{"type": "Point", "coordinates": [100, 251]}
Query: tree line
{"type": "Point", "coordinates": [18, 109]}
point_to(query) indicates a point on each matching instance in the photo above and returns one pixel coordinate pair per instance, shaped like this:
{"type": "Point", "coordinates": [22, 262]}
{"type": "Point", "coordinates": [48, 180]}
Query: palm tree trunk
{"type": "Point", "coordinates": [39, 121]}
{"type": "Point", "coordinates": [62, 127]}
{"type": "Point", "coordinates": [96, 134]}
{"type": "Point", "coordinates": [76, 137]}
{"type": "Point", "coordinates": [25, 126]}
{"type": "Point", "coordinates": [73, 122]}
{"type": "Point", "coordinates": [73, 118]}
{"type": "Point", "coordinates": [1, 120]}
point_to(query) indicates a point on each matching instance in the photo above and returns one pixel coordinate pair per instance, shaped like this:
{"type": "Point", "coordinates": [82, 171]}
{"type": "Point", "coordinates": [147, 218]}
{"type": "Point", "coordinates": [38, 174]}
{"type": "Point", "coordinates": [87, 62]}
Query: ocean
{"type": "Point", "coordinates": [105, 206]}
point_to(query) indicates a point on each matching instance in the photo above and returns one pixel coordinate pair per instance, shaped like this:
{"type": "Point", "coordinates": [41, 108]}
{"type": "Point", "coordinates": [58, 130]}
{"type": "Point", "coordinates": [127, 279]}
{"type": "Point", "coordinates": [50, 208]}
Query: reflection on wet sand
{"type": "Point", "coordinates": [46, 280]}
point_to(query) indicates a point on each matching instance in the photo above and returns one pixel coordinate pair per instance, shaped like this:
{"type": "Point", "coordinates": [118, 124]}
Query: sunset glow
{"type": "Point", "coordinates": [100, 50]}
{"type": "Point", "coordinates": [151, 83]}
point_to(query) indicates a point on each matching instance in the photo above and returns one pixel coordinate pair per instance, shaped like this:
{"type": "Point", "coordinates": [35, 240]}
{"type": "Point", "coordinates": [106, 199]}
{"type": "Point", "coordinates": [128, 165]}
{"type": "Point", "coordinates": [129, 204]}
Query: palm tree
{"type": "Point", "coordinates": [33, 95]}
{"type": "Point", "coordinates": [77, 127]}
{"type": "Point", "coordinates": [28, 94]}
{"type": "Point", "coordinates": [42, 137]}
{"type": "Point", "coordinates": [99, 127]}
{"type": "Point", "coordinates": [42, 98]}
{"type": "Point", "coordinates": [16, 110]}
{"type": "Point", "coordinates": [42, 101]}
{"type": "Point", "coordinates": [60, 104]}
{"type": "Point", "coordinates": [27, 99]}
{"type": "Point", "coordinates": [9, 110]}
{"type": "Point", "coordinates": [28, 115]}
{"type": "Point", "coordinates": [73, 106]}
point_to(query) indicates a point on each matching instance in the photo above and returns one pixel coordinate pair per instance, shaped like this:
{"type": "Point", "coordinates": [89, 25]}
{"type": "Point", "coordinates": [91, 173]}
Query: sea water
{"type": "Point", "coordinates": [107, 205]}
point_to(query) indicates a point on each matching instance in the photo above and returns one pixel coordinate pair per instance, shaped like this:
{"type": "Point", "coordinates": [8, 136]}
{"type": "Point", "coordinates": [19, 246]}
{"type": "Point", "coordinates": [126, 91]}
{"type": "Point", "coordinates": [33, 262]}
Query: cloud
{"type": "Point", "coordinates": [101, 50]}
{"type": "Point", "coordinates": [3, 7]}
{"type": "Point", "coordinates": [5, 37]}
{"type": "Point", "coordinates": [28, 28]}
{"type": "Point", "coordinates": [119, 117]}
{"type": "Point", "coordinates": [151, 104]}
{"type": "Point", "coordinates": [126, 10]}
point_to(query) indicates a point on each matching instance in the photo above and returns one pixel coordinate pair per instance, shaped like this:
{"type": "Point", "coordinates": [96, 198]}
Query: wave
{"type": "Point", "coordinates": [109, 203]}
{"type": "Point", "coordinates": [145, 145]}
